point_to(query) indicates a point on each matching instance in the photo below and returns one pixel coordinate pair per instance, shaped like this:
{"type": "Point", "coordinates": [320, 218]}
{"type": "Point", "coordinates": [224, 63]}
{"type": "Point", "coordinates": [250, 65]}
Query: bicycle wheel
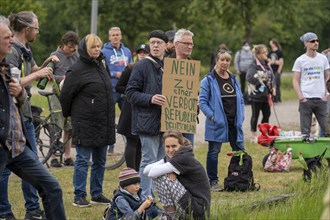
{"type": "Point", "coordinates": [117, 158]}
{"type": "Point", "coordinates": [45, 140]}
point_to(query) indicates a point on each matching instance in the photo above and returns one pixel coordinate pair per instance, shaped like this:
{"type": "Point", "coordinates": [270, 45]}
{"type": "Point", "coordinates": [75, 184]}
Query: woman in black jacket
{"type": "Point", "coordinates": [133, 144]}
{"type": "Point", "coordinates": [87, 97]}
{"type": "Point", "coordinates": [261, 87]}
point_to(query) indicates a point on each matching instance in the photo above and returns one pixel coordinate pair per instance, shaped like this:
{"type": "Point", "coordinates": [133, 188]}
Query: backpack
{"type": "Point", "coordinates": [240, 175]}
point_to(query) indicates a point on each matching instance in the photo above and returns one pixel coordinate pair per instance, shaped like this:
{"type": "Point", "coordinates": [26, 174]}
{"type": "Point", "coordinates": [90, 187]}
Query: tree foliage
{"type": "Point", "coordinates": [212, 22]}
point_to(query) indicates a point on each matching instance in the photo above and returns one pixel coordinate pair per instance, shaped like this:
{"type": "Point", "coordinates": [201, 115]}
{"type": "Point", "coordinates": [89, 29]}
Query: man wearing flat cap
{"type": "Point", "coordinates": [310, 74]}
{"type": "Point", "coordinates": [144, 92]}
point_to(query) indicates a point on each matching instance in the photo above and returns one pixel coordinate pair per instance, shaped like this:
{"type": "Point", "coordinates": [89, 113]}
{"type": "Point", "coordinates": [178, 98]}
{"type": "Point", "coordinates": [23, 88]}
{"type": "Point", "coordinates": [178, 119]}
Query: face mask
{"type": "Point", "coordinates": [246, 47]}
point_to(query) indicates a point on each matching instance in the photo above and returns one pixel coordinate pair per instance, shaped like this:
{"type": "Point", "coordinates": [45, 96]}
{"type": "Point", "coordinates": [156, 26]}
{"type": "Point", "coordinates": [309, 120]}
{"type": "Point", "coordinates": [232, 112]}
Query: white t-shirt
{"type": "Point", "coordinates": [311, 71]}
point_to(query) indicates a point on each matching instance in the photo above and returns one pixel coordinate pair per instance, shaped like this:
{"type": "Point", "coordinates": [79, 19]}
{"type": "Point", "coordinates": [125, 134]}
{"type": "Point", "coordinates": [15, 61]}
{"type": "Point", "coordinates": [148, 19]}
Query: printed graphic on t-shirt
{"type": "Point", "coordinates": [313, 73]}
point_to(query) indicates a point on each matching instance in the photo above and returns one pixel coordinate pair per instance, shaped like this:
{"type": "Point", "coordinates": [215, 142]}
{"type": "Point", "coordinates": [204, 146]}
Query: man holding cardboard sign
{"type": "Point", "coordinates": [183, 42]}
{"type": "Point", "coordinates": [144, 92]}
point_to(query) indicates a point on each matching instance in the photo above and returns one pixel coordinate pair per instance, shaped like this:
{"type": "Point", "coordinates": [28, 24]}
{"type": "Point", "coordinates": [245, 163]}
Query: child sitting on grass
{"type": "Point", "coordinates": [127, 202]}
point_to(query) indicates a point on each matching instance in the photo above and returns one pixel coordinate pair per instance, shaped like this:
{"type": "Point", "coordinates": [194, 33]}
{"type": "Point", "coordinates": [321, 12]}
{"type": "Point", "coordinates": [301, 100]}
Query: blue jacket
{"type": "Point", "coordinates": [132, 213]}
{"type": "Point", "coordinates": [115, 63]}
{"type": "Point", "coordinates": [210, 103]}
{"type": "Point", "coordinates": [145, 81]}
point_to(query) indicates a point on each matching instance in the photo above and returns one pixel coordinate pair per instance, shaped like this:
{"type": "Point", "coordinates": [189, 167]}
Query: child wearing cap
{"type": "Point", "coordinates": [127, 202]}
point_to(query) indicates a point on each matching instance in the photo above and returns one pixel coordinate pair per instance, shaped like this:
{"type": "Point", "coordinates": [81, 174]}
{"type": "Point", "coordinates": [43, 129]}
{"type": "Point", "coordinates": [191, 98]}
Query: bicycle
{"type": "Point", "coordinates": [48, 131]}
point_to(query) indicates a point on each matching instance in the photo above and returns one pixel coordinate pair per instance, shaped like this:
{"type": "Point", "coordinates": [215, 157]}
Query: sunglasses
{"type": "Point", "coordinates": [313, 41]}
{"type": "Point", "coordinates": [221, 51]}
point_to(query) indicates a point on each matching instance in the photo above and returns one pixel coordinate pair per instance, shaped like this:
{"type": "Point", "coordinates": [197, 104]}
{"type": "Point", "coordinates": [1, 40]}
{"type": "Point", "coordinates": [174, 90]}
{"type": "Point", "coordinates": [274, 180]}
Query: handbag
{"type": "Point", "coordinates": [278, 161]}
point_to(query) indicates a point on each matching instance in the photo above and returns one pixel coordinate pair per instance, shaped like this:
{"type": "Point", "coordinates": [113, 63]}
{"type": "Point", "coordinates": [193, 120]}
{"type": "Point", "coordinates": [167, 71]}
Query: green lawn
{"type": "Point", "coordinates": [307, 203]}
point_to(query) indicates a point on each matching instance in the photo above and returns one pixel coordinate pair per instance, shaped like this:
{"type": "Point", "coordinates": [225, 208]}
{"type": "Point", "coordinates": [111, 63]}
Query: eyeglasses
{"type": "Point", "coordinates": [313, 41]}
{"type": "Point", "coordinates": [186, 43]}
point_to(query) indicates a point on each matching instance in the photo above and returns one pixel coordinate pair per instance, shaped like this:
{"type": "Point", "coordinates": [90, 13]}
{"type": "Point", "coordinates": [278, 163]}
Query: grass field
{"type": "Point", "coordinates": [305, 204]}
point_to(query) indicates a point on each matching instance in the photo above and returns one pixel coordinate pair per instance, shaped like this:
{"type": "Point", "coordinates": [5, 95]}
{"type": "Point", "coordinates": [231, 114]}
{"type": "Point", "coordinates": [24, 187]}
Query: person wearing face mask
{"type": "Point", "coordinates": [243, 59]}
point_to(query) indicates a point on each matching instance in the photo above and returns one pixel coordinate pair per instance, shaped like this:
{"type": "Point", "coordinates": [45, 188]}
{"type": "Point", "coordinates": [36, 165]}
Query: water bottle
{"type": "Point", "coordinates": [43, 81]}
{"type": "Point", "coordinates": [15, 73]}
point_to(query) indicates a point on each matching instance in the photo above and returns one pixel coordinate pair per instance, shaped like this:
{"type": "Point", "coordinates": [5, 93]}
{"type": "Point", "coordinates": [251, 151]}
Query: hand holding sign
{"type": "Point", "coordinates": [158, 99]}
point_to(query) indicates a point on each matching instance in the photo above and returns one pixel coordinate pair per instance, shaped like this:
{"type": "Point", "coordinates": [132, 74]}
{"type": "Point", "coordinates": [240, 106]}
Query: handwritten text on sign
{"type": "Point", "coordinates": [180, 86]}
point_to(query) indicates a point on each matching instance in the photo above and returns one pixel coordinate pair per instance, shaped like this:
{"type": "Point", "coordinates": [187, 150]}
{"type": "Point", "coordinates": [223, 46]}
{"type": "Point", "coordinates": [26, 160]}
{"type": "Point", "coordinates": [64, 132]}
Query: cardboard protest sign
{"type": "Point", "coordinates": [180, 86]}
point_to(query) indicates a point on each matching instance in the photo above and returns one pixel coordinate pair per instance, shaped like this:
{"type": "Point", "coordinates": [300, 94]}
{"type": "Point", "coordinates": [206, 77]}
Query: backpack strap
{"type": "Point", "coordinates": [154, 61]}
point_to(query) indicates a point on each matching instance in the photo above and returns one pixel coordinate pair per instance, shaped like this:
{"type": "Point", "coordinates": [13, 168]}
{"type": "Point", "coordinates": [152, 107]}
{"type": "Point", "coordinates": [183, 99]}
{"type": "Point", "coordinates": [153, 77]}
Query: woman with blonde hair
{"type": "Point", "coordinates": [87, 97]}
{"type": "Point", "coordinates": [222, 103]}
{"type": "Point", "coordinates": [262, 87]}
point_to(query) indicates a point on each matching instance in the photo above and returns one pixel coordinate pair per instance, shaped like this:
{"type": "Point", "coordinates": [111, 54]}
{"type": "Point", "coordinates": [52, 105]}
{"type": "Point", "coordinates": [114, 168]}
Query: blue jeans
{"type": "Point", "coordinates": [99, 156]}
{"type": "Point", "coordinates": [28, 167]}
{"type": "Point", "coordinates": [152, 150]}
{"type": "Point", "coordinates": [190, 137]}
{"type": "Point", "coordinates": [117, 98]}
{"type": "Point", "coordinates": [29, 192]}
{"type": "Point", "coordinates": [214, 150]}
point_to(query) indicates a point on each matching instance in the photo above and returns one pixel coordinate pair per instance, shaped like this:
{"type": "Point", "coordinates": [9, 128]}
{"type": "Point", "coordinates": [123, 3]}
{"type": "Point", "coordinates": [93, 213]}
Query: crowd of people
{"type": "Point", "coordinates": [95, 76]}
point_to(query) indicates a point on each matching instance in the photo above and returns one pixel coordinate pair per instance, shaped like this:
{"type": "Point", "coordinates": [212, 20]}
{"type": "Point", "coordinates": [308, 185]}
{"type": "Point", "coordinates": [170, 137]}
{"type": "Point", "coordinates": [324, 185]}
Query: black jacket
{"type": "Point", "coordinates": [87, 97]}
{"type": "Point", "coordinates": [270, 83]}
{"type": "Point", "coordinates": [145, 81]}
{"type": "Point", "coordinates": [125, 120]}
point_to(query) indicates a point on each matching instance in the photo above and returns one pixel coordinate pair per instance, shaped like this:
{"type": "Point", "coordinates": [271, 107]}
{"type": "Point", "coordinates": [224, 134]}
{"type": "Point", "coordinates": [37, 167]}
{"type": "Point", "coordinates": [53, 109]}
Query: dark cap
{"type": "Point", "coordinates": [170, 35]}
{"type": "Point", "coordinates": [158, 34]}
{"type": "Point", "coordinates": [144, 47]}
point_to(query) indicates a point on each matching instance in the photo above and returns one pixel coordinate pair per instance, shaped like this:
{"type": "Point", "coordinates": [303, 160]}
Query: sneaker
{"type": "Point", "coordinates": [8, 216]}
{"type": "Point", "coordinates": [35, 214]}
{"type": "Point", "coordinates": [69, 162]}
{"type": "Point", "coordinates": [215, 186]}
{"type": "Point", "coordinates": [81, 202]}
{"type": "Point", "coordinates": [101, 200]}
{"type": "Point", "coordinates": [55, 163]}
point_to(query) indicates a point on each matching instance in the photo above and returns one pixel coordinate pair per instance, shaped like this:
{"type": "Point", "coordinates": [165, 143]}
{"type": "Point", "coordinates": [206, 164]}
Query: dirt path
{"type": "Point", "coordinates": [287, 114]}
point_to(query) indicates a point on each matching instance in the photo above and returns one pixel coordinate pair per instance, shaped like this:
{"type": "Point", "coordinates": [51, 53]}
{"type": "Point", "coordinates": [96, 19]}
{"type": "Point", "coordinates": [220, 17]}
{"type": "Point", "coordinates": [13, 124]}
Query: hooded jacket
{"type": "Point", "coordinates": [116, 63]}
{"type": "Point", "coordinates": [210, 102]}
{"type": "Point", "coordinates": [87, 97]}
{"type": "Point", "coordinates": [194, 179]}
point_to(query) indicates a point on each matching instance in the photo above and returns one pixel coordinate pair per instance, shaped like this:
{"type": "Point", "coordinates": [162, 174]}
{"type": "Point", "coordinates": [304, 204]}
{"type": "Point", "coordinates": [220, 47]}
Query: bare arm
{"type": "Point", "coordinates": [296, 85]}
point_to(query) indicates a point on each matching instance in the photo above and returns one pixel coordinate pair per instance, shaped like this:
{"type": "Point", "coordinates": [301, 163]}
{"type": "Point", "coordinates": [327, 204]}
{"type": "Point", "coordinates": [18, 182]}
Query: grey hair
{"type": "Point", "coordinates": [178, 35]}
{"type": "Point", "coordinates": [4, 20]}
{"type": "Point", "coordinates": [114, 29]}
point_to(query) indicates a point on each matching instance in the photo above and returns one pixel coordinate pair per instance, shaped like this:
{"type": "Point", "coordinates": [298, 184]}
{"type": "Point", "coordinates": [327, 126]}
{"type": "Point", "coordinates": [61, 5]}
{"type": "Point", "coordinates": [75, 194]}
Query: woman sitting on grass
{"type": "Point", "coordinates": [180, 180]}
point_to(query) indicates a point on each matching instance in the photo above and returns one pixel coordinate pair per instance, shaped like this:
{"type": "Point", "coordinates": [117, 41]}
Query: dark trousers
{"type": "Point", "coordinates": [277, 97]}
{"type": "Point", "coordinates": [256, 108]}
{"type": "Point", "coordinates": [28, 167]}
{"type": "Point", "coordinates": [242, 77]}
{"type": "Point", "coordinates": [133, 152]}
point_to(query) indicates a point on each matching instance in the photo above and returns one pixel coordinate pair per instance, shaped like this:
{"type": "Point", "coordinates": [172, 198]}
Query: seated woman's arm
{"type": "Point", "coordinates": [159, 168]}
